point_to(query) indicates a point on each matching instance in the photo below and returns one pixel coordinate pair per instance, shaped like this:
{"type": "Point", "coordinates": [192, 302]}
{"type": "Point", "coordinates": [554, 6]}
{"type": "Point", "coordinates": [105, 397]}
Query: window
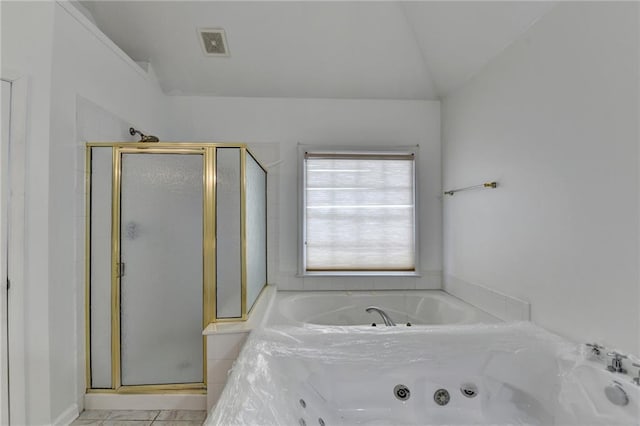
{"type": "Point", "coordinates": [358, 213]}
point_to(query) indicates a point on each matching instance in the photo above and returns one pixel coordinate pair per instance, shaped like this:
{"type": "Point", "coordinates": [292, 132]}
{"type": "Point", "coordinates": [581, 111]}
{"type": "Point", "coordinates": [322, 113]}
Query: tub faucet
{"type": "Point", "coordinates": [616, 363]}
{"type": "Point", "coordinates": [386, 318]}
{"type": "Point", "coordinates": [636, 380]}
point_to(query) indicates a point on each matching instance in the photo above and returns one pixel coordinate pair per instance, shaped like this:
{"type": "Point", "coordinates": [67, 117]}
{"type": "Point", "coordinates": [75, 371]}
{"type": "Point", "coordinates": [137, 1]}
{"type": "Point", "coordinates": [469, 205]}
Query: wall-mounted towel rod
{"type": "Point", "coordinates": [483, 185]}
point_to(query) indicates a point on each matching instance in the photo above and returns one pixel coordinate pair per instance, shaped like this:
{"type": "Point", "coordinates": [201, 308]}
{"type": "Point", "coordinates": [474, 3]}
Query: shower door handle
{"type": "Point", "coordinates": [120, 269]}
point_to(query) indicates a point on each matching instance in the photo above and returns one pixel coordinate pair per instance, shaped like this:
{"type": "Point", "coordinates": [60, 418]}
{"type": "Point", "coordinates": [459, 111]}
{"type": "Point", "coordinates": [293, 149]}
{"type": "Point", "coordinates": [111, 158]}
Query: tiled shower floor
{"type": "Point", "coordinates": [141, 418]}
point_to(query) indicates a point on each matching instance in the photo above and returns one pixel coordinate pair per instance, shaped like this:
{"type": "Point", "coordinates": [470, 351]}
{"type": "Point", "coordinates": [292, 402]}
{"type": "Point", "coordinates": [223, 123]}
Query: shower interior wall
{"type": "Point", "coordinates": [82, 87]}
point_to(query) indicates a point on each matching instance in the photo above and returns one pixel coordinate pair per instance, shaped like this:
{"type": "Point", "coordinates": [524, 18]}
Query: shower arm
{"type": "Point", "coordinates": [143, 137]}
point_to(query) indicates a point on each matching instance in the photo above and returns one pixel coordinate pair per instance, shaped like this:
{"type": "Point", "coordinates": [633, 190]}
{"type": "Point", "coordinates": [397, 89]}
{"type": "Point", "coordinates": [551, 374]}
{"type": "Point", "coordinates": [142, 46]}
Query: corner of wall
{"type": "Point", "coordinates": [67, 416]}
{"type": "Point", "coordinates": [498, 304]}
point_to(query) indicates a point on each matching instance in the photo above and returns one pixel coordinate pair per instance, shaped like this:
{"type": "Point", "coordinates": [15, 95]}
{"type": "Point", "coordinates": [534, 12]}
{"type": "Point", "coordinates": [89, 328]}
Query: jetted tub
{"type": "Point", "coordinates": [501, 374]}
{"type": "Point", "coordinates": [418, 307]}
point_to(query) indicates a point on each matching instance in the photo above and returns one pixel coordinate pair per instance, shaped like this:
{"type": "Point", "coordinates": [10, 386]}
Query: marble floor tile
{"type": "Point", "coordinates": [126, 423]}
{"type": "Point", "coordinates": [140, 418]}
{"type": "Point", "coordinates": [184, 415]}
{"type": "Point", "coordinates": [86, 422]}
{"type": "Point", "coordinates": [94, 415]}
{"type": "Point", "coordinates": [133, 415]}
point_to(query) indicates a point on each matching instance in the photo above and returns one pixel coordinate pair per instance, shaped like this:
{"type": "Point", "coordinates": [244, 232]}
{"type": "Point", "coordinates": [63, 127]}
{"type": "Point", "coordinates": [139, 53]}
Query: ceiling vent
{"type": "Point", "coordinates": [214, 41]}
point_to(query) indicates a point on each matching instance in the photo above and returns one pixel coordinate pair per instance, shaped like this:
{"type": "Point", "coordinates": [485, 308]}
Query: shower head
{"type": "Point", "coordinates": [143, 137]}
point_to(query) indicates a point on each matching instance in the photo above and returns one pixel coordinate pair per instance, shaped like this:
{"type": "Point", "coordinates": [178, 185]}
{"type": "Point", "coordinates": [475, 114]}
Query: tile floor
{"type": "Point", "coordinates": [140, 418]}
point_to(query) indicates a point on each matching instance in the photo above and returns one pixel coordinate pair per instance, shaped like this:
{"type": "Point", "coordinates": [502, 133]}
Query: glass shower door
{"type": "Point", "coordinates": [161, 270]}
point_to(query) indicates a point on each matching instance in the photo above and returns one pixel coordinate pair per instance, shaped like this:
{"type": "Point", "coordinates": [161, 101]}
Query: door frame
{"type": "Point", "coordinates": [16, 246]}
{"type": "Point", "coordinates": [208, 157]}
{"type": "Point", "coordinates": [207, 151]}
{"type": "Point", "coordinates": [4, 239]}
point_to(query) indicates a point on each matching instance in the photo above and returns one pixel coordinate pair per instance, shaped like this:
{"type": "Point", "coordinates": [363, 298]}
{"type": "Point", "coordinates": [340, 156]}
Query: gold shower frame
{"type": "Point", "coordinates": [208, 152]}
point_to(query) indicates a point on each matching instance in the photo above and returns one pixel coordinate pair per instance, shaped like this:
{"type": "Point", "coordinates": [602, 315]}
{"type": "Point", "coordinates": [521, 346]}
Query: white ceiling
{"type": "Point", "coordinates": [383, 50]}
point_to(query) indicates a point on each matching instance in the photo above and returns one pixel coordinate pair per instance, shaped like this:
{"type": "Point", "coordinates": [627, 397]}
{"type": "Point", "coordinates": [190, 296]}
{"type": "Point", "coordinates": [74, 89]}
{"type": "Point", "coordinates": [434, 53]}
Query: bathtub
{"type": "Point", "coordinates": [417, 307]}
{"type": "Point", "coordinates": [500, 374]}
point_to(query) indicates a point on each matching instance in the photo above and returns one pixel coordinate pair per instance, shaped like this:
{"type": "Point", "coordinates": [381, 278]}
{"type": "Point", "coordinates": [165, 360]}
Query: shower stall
{"type": "Point", "coordinates": [176, 239]}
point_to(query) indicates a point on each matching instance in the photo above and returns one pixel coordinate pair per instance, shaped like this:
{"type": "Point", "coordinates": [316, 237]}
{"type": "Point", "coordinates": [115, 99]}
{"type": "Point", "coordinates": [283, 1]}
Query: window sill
{"type": "Point", "coordinates": [411, 274]}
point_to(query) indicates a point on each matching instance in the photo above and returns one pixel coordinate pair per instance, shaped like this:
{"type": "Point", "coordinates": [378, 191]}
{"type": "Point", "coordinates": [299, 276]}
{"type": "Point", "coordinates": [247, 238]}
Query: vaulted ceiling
{"type": "Point", "coordinates": [337, 49]}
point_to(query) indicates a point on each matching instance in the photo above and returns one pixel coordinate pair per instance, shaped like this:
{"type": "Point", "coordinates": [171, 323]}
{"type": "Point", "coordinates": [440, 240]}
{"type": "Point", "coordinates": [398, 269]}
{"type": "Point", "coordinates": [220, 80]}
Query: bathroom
{"type": "Point", "coordinates": [540, 97]}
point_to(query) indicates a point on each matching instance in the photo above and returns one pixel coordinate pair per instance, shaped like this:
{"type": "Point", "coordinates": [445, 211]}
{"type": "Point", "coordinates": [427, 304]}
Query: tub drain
{"type": "Point", "coordinates": [469, 390]}
{"type": "Point", "coordinates": [441, 397]}
{"type": "Point", "coordinates": [401, 392]}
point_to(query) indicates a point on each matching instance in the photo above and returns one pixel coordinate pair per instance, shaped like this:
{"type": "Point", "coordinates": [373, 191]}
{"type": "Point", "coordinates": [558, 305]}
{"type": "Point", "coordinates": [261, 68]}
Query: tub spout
{"type": "Point", "coordinates": [386, 318]}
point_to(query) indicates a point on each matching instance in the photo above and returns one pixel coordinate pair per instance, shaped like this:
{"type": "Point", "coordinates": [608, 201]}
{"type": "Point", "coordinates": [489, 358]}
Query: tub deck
{"type": "Point", "coordinates": [418, 307]}
{"type": "Point", "coordinates": [348, 375]}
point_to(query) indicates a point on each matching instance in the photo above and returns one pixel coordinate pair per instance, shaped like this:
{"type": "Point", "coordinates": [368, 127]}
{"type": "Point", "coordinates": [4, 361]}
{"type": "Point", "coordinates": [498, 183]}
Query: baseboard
{"type": "Point", "coordinates": [67, 416]}
{"type": "Point", "coordinates": [106, 401]}
{"type": "Point", "coordinates": [505, 307]}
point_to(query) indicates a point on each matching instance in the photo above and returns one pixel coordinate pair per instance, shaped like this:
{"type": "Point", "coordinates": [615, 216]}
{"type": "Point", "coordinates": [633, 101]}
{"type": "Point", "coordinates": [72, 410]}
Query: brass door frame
{"type": "Point", "coordinates": [208, 151]}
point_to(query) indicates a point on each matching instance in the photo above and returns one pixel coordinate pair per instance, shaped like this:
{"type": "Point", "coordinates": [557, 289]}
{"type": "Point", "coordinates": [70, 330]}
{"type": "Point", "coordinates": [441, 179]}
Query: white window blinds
{"type": "Point", "coordinates": [359, 212]}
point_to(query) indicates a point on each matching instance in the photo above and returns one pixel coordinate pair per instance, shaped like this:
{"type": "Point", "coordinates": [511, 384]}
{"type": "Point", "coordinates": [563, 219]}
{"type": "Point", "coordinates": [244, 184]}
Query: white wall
{"type": "Point", "coordinates": [27, 54]}
{"type": "Point", "coordinates": [274, 127]}
{"type": "Point", "coordinates": [82, 88]}
{"type": "Point", "coordinates": [87, 69]}
{"type": "Point", "coordinates": [63, 63]}
{"type": "Point", "coordinates": [554, 120]}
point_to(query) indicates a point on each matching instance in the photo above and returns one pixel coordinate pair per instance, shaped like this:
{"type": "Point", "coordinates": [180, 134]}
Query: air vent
{"type": "Point", "coordinates": [214, 42]}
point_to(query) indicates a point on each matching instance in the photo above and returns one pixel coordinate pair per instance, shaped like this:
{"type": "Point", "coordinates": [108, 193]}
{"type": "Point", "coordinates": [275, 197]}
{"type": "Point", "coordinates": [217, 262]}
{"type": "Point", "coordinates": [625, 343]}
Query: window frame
{"type": "Point", "coordinates": [358, 150]}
